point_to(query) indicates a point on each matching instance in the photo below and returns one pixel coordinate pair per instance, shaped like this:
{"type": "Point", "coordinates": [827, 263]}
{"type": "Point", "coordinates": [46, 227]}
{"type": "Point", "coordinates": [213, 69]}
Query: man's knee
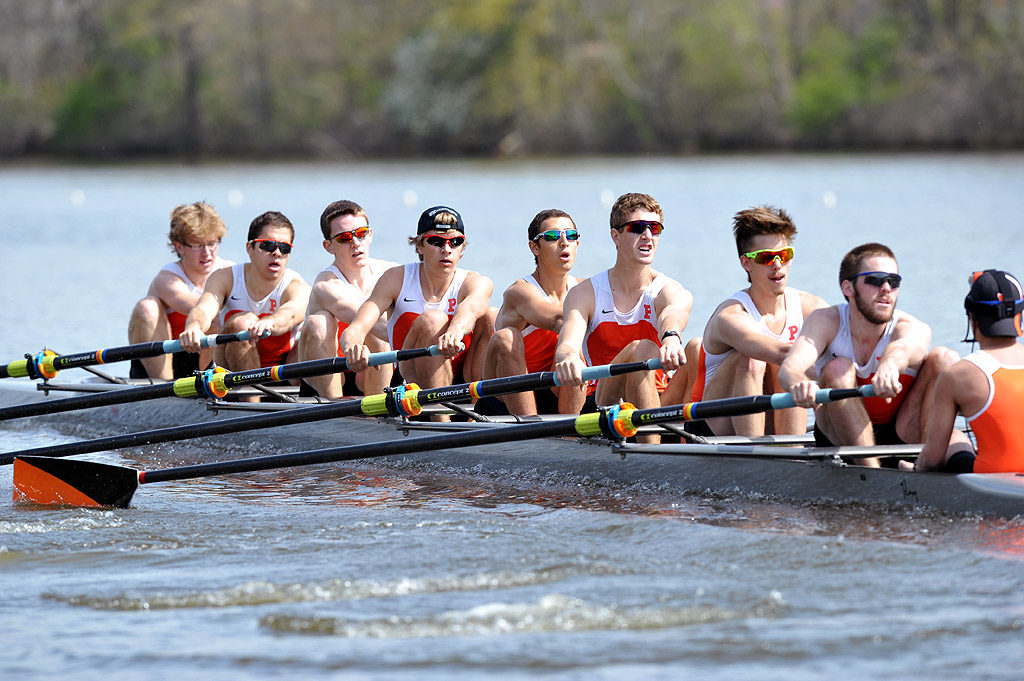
{"type": "Point", "coordinates": [839, 373]}
{"type": "Point", "coordinates": [508, 340]}
{"type": "Point", "coordinates": [430, 323]}
{"type": "Point", "coordinates": [941, 357]}
{"type": "Point", "coordinates": [318, 327]}
{"type": "Point", "coordinates": [638, 351]}
{"type": "Point", "coordinates": [239, 322]}
{"type": "Point", "coordinates": [148, 310]}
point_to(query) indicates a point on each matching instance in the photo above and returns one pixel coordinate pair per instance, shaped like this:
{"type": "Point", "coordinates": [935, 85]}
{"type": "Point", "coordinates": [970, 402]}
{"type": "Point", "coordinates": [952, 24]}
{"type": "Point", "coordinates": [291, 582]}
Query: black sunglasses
{"type": "Point", "coordinates": [641, 226]}
{"type": "Point", "coordinates": [269, 245]}
{"type": "Point", "coordinates": [879, 278]}
{"type": "Point", "coordinates": [439, 241]}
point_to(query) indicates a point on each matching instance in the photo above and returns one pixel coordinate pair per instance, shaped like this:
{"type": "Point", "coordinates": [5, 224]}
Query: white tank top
{"type": "Point", "coordinates": [410, 303]}
{"type": "Point", "coordinates": [376, 269]}
{"type": "Point", "coordinates": [240, 301]}
{"type": "Point", "coordinates": [794, 322]}
{"type": "Point", "coordinates": [842, 345]}
{"type": "Point", "coordinates": [176, 269]}
{"type": "Point", "coordinates": [610, 330]}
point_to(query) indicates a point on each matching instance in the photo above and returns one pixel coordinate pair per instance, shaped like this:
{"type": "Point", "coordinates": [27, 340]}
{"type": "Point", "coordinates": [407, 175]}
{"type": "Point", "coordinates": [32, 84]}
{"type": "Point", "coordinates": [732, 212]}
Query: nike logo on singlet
{"type": "Point", "coordinates": [235, 298]}
{"type": "Point", "coordinates": [408, 300]}
{"type": "Point", "coordinates": [607, 311]}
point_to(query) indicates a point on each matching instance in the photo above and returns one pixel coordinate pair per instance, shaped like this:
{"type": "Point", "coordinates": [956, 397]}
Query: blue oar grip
{"type": "Point", "coordinates": [377, 359]}
{"type": "Point", "coordinates": [821, 396]}
{"type": "Point", "coordinates": [604, 370]}
{"type": "Point", "coordinates": [173, 346]}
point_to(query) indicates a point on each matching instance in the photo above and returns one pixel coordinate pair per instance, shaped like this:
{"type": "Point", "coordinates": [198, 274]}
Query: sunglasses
{"type": "Point", "coordinates": [269, 245]}
{"type": "Point", "coordinates": [879, 278]}
{"type": "Point", "coordinates": [346, 237]}
{"type": "Point", "coordinates": [556, 234]}
{"type": "Point", "coordinates": [767, 256]}
{"type": "Point", "coordinates": [439, 241]}
{"type": "Point", "coordinates": [641, 226]}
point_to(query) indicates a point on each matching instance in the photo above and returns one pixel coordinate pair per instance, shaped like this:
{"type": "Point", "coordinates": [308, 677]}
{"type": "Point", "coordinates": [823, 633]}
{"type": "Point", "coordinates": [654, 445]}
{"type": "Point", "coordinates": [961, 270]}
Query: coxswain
{"type": "Point", "coordinates": [986, 386]}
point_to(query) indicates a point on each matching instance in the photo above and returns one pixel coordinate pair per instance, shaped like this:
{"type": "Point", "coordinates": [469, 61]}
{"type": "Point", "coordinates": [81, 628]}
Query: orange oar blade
{"type": "Point", "coordinates": [46, 480]}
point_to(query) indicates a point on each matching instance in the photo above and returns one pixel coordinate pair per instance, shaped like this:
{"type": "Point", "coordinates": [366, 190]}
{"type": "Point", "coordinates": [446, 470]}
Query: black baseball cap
{"type": "Point", "coordinates": [428, 220]}
{"type": "Point", "coordinates": [995, 302]}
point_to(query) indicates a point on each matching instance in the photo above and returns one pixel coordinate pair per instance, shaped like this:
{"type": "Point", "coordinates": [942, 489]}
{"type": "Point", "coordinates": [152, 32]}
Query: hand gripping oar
{"type": "Point", "coordinates": [402, 401]}
{"type": "Point", "coordinates": [46, 364]}
{"type": "Point", "coordinates": [47, 480]}
{"type": "Point", "coordinates": [210, 383]}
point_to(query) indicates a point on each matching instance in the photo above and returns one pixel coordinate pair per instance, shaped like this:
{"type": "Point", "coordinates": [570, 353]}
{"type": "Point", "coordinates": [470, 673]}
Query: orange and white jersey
{"type": "Point", "coordinates": [1000, 448]}
{"type": "Point", "coordinates": [709, 362]}
{"type": "Point", "coordinates": [609, 331]}
{"type": "Point", "coordinates": [540, 344]}
{"type": "Point", "coordinates": [177, 319]}
{"type": "Point", "coordinates": [351, 291]}
{"type": "Point", "coordinates": [273, 349]}
{"type": "Point", "coordinates": [879, 410]}
{"type": "Point", "coordinates": [410, 303]}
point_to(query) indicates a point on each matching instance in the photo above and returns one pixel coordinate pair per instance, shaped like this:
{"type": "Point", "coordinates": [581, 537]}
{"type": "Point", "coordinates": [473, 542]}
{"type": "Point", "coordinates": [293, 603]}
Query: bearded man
{"type": "Point", "coordinates": [866, 340]}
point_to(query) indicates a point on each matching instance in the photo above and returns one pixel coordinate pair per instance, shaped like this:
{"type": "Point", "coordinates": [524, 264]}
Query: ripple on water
{"type": "Point", "coordinates": [262, 592]}
{"type": "Point", "coordinates": [550, 613]}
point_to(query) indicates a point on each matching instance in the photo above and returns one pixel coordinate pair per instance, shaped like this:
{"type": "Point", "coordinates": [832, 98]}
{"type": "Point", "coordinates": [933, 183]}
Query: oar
{"type": "Point", "coordinates": [47, 480]}
{"type": "Point", "coordinates": [47, 363]}
{"type": "Point", "coordinates": [406, 401]}
{"type": "Point", "coordinates": [210, 383]}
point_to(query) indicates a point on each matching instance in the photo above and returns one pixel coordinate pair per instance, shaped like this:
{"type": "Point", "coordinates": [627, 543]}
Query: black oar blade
{"type": "Point", "coordinates": [45, 480]}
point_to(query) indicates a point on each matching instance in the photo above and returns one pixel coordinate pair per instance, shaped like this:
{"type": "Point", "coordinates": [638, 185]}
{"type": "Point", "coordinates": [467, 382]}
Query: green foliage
{"type": "Point", "coordinates": [334, 77]}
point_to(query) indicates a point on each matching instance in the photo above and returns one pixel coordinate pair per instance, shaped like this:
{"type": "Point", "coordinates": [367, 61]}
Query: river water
{"type": "Point", "coordinates": [370, 571]}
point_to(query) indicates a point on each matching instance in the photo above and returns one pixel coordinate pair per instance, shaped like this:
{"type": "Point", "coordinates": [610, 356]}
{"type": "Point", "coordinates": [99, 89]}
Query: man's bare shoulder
{"type": "Point", "coordinates": [379, 267]}
{"type": "Point", "coordinates": [476, 279]}
{"type": "Point", "coordinates": [325, 276]}
{"type": "Point", "coordinates": [823, 317]}
{"type": "Point", "coordinates": [520, 291]}
{"type": "Point", "coordinates": [297, 280]}
{"type": "Point", "coordinates": [581, 296]}
{"type": "Point", "coordinates": [810, 302]}
{"type": "Point", "coordinates": [907, 319]}
{"type": "Point", "coordinates": [222, 278]}
{"type": "Point", "coordinates": [909, 326]}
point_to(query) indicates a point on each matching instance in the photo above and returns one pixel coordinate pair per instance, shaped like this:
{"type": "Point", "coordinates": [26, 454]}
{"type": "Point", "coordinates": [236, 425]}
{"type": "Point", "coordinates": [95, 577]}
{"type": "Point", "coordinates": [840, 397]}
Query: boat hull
{"type": "Point", "coordinates": [670, 469]}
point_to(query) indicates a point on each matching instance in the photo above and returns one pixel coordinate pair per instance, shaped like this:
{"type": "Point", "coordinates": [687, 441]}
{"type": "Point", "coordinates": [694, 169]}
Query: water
{"type": "Point", "coordinates": [369, 571]}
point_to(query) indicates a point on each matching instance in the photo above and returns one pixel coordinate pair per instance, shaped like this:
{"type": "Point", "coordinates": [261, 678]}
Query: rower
{"type": "Point", "coordinates": [749, 335]}
{"type": "Point", "coordinates": [195, 236]}
{"type": "Point", "coordinates": [259, 296]}
{"type": "Point", "coordinates": [530, 318]}
{"type": "Point", "coordinates": [986, 386]}
{"type": "Point", "coordinates": [867, 340]}
{"type": "Point", "coordinates": [430, 302]}
{"type": "Point", "coordinates": [337, 293]}
{"type": "Point", "coordinates": [628, 313]}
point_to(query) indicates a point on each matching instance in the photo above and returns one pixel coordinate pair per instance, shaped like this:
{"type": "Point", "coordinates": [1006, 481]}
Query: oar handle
{"type": "Point", "coordinates": [172, 346]}
{"type": "Point", "coordinates": [823, 396]}
{"type": "Point", "coordinates": [609, 370]}
{"type": "Point", "coordinates": [392, 356]}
